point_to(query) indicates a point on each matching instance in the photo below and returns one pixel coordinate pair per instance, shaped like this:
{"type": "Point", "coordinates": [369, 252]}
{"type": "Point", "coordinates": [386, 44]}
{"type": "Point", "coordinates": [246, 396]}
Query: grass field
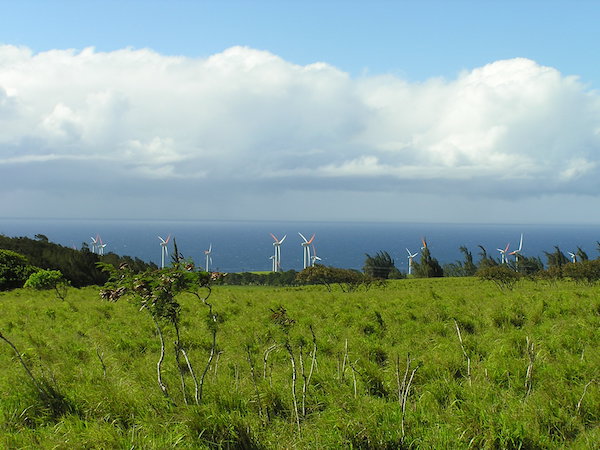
{"type": "Point", "coordinates": [421, 363]}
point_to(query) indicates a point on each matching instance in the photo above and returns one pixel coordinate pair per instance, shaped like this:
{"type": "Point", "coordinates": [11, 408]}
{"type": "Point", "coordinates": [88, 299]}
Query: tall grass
{"type": "Point", "coordinates": [101, 358]}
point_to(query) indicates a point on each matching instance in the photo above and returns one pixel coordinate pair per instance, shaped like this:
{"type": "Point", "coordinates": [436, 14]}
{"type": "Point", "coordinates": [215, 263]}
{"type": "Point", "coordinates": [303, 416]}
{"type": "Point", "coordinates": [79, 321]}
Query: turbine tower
{"type": "Point", "coordinates": [100, 246]}
{"type": "Point", "coordinates": [164, 252]}
{"type": "Point", "coordinates": [314, 258]}
{"type": "Point", "coordinates": [95, 243]}
{"type": "Point", "coordinates": [410, 259]}
{"type": "Point", "coordinates": [503, 253]}
{"type": "Point", "coordinates": [272, 258]}
{"type": "Point", "coordinates": [208, 257]}
{"type": "Point", "coordinates": [306, 249]}
{"type": "Point", "coordinates": [517, 253]}
{"type": "Point", "coordinates": [277, 254]}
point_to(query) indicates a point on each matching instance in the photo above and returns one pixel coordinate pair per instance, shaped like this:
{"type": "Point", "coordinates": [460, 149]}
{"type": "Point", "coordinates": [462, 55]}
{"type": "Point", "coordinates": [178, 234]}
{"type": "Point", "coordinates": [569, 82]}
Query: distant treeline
{"type": "Point", "coordinates": [77, 266]}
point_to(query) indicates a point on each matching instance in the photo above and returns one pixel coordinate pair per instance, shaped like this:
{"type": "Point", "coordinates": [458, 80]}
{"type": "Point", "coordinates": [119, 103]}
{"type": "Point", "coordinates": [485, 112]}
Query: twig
{"type": "Point", "coordinates": [464, 352]}
{"type": "Point", "coordinates": [529, 374]}
{"type": "Point", "coordinates": [294, 374]}
{"type": "Point", "coordinates": [344, 360]}
{"type": "Point", "coordinates": [162, 386]}
{"type": "Point", "coordinates": [101, 361]}
{"type": "Point", "coordinates": [583, 395]}
{"type": "Point", "coordinates": [254, 381]}
{"type": "Point", "coordinates": [193, 374]}
{"type": "Point", "coordinates": [38, 386]}
{"type": "Point", "coordinates": [266, 357]}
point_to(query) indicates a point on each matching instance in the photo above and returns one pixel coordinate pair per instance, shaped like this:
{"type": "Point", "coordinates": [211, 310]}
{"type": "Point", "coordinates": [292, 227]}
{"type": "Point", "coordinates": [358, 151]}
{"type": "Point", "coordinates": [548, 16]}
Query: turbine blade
{"type": "Point", "coordinates": [521, 242]}
{"type": "Point", "coordinates": [302, 236]}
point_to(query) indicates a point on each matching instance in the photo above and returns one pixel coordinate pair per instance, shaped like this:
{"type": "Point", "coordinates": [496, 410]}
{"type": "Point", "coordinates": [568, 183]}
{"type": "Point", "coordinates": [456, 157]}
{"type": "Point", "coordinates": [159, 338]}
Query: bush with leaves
{"type": "Point", "coordinates": [156, 291]}
{"type": "Point", "coordinates": [585, 271]}
{"type": "Point", "coordinates": [14, 270]}
{"type": "Point", "coordinates": [44, 279]}
{"type": "Point", "coordinates": [348, 280]}
{"type": "Point", "coordinates": [501, 275]}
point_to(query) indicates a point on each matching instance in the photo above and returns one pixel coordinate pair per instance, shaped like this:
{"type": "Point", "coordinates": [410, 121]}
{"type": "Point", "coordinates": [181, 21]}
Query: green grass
{"type": "Point", "coordinates": [100, 360]}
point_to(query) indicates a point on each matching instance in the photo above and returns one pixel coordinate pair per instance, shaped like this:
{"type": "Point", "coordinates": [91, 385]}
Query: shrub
{"type": "Point", "coordinates": [44, 279]}
{"type": "Point", "coordinates": [501, 275]}
{"type": "Point", "coordinates": [584, 271]}
{"type": "Point", "coordinates": [14, 270]}
{"type": "Point", "coordinates": [347, 279]}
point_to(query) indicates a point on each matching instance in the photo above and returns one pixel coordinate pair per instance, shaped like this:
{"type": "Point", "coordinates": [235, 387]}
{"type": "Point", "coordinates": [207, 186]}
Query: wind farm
{"type": "Point", "coordinates": [253, 256]}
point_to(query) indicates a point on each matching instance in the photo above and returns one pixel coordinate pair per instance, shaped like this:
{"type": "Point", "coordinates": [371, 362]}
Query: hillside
{"type": "Point", "coordinates": [78, 266]}
{"type": "Point", "coordinates": [421, 363]}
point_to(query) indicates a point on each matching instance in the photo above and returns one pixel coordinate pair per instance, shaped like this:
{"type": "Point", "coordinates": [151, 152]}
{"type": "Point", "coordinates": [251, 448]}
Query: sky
{"type": "Point", "coordinates": [408, 111]}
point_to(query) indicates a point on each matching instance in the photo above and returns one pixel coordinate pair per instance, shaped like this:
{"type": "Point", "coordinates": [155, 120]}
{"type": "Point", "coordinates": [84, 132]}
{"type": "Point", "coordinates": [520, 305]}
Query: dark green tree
{"type": "Point", "coordinates": [378, 266]}
{"type": "Point", "coordinates": [557, 258]}
{"type": "Point", "coordinates": [14, 270]}
{"type": "Point", "coordinates": [485, 260]}
{"type": "Point", "coordinates": [427, 267]}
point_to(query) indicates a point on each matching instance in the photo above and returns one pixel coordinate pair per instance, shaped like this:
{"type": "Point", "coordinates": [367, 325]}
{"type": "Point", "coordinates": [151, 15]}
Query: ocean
{"type": "Point", "coordinates": [239, 246]}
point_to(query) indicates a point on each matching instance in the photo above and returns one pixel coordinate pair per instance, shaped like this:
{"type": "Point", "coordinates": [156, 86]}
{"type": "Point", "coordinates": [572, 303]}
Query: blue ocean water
{"type": "Point", "coordinates": [247, 246]}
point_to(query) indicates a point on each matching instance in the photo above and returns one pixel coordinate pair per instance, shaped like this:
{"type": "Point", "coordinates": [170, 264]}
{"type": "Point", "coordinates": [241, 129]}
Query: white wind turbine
{"type": "Point", "coordinates": [314, 258]}
{"type": "Point", "coordinates": [573, 256]}
{"type": "Point", "coordinates": [277, 255]}
{"type": "Point", "coordinates": [95, 243]}
{"type": "Point", "coordinates": [410, 260]}
{"type": "Point", "coordinates": [164, 252]}
{"type": "Point", "coordinates": [517, 253]}
{"type": "Point", "coordinates": [503, 253]}
{"type": "Point", "coordinates": [208, 257]}
{"type": "Point", "coordinates": [272, 258]}
{"type": "Point", "coordinates": [306, 248]}
{"type": "Point", "coordinates": [100, 246]}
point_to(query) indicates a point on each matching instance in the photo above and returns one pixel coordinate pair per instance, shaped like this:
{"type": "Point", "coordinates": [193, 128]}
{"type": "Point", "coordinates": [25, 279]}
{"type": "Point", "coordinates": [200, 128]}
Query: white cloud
{"type": "Point", "coordinates": [246, 119]}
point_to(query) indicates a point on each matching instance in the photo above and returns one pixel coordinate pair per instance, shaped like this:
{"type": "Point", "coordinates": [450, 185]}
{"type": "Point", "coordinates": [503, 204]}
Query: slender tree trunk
{"type": "Point", "coordinates": [162, 386]}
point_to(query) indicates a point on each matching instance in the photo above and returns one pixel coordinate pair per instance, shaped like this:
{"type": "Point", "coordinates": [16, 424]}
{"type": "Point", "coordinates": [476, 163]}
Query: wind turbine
{"type": "Point", "coordinates": [503, 253]}
{"type": "Point", "coordinates": [164, 252]}
{"type": "Point", "coordinates": [208, 257]}
{"type": "Point", "coordinates": [573, 256]}
{"type": "Point", "coordinates": [95, 243]}
{"type": "Point", "coordinates": [100, 246]}
{"type": "Point", "coordinates": [306, 248]}
{"type": "Point", "coordinates": [277, 255]}
{"type": "Point", "coordinates": [314, 257]}
{"type": "Point", "coordinates": [424, 242]}
{"type": "Point", "coordinates": [410, 260]}
{"type": "Point", "coordinates": [272, 258]}
{"type": "Point", "coordinates": [517, 252]}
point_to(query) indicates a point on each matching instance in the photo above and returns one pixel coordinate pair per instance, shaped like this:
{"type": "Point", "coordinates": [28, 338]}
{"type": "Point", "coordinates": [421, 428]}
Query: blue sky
{"type": "Point", "coordinates": [480, 110]}
{"type": "Point", "coordinates": [415, 39]}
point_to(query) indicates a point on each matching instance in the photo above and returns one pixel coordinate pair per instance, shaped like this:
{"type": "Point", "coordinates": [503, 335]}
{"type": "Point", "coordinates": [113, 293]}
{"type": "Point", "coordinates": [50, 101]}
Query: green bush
{"type": "Point", "coordinates": [14, 270]}
{"type": "Point", "coordinates": [501, 275]}
{"type": "Point", "coordinates": [584, 271]}
{"type": "Point", "coordinates": [44, 279]}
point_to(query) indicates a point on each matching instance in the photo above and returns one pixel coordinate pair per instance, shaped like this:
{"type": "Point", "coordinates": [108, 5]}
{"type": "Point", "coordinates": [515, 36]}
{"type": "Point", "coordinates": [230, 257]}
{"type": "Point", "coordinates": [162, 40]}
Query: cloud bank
{"type": "Point", "coordinates": [244, 120]}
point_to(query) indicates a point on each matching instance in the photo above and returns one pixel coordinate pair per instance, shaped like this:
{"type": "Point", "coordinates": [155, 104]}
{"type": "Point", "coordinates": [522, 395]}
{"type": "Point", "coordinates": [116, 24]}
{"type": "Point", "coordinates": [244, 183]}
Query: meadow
{"type": "Point", "coordinates": [415, 363]}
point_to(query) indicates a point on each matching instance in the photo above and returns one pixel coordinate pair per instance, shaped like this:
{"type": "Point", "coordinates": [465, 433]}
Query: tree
{"type": "Point", "coordinates": [347, 279]}
{"type": "Point", "coordinates": [556, 258]}
{"type": "Point", "coordinates": [378, 266]}
{"type": "Point", "coordinates": [427, 267]}
{"type": "Point", "coordinates": [485, 259]}
{"type": "Point", "coordinates": [156, 291]}
{"type": "Point", "coordinates": [14, 270]}
{"type": "Point", "coordinates": [464, 268]}
{"type": "Point", "coordinates": [501, 275]}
